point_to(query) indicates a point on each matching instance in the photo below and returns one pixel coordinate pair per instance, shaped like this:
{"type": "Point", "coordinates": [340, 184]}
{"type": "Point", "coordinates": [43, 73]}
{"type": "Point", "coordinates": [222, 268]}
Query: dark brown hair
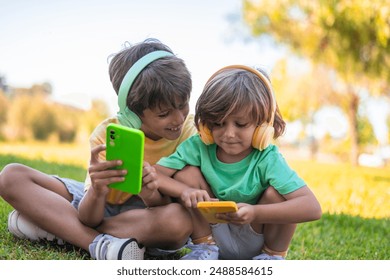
{"type": "Point", "coordinates": [164, 82]}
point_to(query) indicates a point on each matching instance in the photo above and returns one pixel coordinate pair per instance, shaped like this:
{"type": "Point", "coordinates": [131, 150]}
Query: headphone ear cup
{"type": "Point", "coordinates": [262, 137]}
{"type": "Point", "coordinates": [129, 118]}
{"type": "Point", "coordinates": [205, 134]}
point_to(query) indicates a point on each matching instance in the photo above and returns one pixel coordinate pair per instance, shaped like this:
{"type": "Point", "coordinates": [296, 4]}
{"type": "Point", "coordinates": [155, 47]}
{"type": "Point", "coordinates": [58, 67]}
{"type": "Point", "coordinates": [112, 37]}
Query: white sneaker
{"type": "Point", "coordinates": [112, 248]}
{"type": "Point", "coordinates": [202, 252]}
{"type": "Point", "coordinates": [23, 228]}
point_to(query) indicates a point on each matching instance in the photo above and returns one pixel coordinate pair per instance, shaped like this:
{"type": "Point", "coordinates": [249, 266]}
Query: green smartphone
{"type": "Point", "coordinates": [126, 144]}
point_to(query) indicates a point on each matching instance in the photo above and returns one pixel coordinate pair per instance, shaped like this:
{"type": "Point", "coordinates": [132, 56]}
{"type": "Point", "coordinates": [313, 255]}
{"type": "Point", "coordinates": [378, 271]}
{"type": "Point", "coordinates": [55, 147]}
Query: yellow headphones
{"type": "Point", "coordinates": [264, 133]}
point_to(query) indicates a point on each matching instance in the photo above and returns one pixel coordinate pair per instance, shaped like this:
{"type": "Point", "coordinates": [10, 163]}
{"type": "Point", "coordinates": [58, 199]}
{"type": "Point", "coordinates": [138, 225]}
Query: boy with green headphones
{"type": "Point", "coordinates": [153, 87]}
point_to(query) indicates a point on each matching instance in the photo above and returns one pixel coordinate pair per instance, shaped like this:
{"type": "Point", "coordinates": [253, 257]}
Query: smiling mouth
{"type": "Point", "coordinates": [174, 129]}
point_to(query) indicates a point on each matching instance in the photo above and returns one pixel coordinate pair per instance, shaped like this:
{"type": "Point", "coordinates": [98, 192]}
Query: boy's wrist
{"type": "Point", "coordinates": [148, 194]}
{"type": "Point", "coordinates": [97, 194]}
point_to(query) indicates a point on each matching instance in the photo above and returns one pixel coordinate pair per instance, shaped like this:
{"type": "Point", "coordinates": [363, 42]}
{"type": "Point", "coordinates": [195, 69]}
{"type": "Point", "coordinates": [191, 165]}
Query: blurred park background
{"type": "Point", "coordinates": [331, 77]}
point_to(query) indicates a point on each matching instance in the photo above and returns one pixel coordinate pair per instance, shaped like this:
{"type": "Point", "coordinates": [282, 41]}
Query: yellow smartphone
{"type": "Point", "coordinates": [210, 208]}
{"type": "Point", "coordinates": [126, 144]}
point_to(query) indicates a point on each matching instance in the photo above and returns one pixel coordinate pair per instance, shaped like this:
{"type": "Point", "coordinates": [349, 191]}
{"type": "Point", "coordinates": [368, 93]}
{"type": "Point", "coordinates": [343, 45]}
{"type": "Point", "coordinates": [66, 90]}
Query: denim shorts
{"type": "Point", "coordinates": [76, 189]}
{"type": "Point", "coordinates": [237, 242]}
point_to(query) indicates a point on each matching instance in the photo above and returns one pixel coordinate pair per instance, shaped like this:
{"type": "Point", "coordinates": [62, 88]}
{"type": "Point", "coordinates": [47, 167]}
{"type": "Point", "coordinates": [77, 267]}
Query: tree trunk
{"type": "Point", "coordinates": [353, 124]}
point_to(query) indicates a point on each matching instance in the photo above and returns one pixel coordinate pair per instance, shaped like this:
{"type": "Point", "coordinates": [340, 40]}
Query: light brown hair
{"type": "Point", "coordinates": [237, 90]}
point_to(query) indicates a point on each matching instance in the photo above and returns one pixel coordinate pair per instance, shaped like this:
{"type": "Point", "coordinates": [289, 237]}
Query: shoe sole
{"type": "Point", "coordinates": [13, 217]}
{"type": "Point", "coordinates": [13, 228]}
{"type": "Point", "coordinates": [131, 250]}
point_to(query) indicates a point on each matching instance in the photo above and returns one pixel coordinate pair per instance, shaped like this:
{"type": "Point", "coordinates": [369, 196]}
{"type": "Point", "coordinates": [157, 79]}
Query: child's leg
{"type": "Point", "coordinates": [204, 247]}
{"type": "Point", "coordinates": [46, 202]}
{"type": "Point", "coordinates": [164, 227]}
{"type": "Point", "coordinates": [277, 237]}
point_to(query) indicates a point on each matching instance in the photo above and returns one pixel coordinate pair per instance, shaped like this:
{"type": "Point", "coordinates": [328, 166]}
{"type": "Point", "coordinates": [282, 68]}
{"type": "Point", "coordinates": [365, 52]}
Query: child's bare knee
{"type": "Point", "coordinates": [178, 221]}
{"type": "Point", "coordinates": [9, 174]}
{"type": "Point", "coordinates": [270, 196]}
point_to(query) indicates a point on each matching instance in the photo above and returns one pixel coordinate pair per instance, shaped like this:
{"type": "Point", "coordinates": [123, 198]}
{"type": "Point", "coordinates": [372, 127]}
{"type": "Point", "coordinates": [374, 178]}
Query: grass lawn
{"type": "Point", "coordinates": [355, 224]}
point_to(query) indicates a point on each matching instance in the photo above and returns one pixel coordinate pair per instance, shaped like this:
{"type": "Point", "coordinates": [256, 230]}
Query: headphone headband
{"type": "Point", "coordinates": [126, 115]}
{"type": "Point", "coordinates": [260, 75]}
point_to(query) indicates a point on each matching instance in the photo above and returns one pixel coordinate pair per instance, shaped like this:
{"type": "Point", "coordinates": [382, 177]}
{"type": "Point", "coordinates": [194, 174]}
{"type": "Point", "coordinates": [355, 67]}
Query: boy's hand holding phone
{"type": "Point", "coordinates": [126, 144]}
{"type": "Point", "coordinates": [100, 177]}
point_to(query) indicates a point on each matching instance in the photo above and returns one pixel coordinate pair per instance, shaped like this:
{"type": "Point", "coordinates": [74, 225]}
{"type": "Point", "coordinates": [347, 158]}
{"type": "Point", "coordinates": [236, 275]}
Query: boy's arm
{"type": "Point", "coordinates": [296, 207]}
{"type": "Point", "coordinates": [174, 188]}
{"type": "Point", "coordinates": [150, 194]}
{"type": "Point", "coordinates": [164, 177]}
{"type": "Point", "coordinates": [300, 206]}
{"type": "Point", "coordinates": [91, 207]}
{"type": "Point", "coordinates": [154, 198]}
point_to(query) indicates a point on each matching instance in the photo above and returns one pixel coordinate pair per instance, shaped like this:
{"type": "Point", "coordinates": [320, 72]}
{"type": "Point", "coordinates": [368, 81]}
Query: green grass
{"type": "Point", "coordinates": [342, 237]}
{"type": "Point", "coordinates": [12, 248]}
{"type": "Point", "coordinates": [333, 237]}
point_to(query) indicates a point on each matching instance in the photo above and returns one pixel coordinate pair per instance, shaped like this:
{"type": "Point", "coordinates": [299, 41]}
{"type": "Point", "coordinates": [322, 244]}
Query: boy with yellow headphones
{"type": "Point", "coordinates": [237, 118]}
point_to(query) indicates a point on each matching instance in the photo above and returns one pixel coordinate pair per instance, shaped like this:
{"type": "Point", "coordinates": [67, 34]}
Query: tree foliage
{"type": "Point", "coordinates": [29, 114]}
{"type": "Point", "coordinates": [39, 116]}
{"type": "Point", "coordinates": [350, 37]}
{"type": "Point", "coordinates": [366, 132]}
{"type": "Point", "coordinates": [301, 94]}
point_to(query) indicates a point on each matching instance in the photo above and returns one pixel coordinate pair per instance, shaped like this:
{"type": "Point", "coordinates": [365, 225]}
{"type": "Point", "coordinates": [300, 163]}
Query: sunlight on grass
{"type": "Point", "coordinates": [343, 189]}
{"type": "Point", "coordinates": [62, 153]}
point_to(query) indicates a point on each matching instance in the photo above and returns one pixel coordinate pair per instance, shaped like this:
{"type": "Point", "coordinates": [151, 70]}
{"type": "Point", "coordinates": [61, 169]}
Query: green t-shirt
{"type": "Point", "coordinates": [242, 181]}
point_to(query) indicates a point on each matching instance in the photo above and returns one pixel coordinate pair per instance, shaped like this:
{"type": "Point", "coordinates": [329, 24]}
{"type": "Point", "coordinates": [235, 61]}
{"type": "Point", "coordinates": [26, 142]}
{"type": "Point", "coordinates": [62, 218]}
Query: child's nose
{"type": "Point", "coordinates": [178, 116]}
{"type": "Point", "coordinates": [229, 131]}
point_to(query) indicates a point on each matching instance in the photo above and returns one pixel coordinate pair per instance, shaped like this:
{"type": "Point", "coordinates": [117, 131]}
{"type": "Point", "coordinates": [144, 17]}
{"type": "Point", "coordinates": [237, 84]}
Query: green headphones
{"type": "Point", "coordinates": [125, 116]}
